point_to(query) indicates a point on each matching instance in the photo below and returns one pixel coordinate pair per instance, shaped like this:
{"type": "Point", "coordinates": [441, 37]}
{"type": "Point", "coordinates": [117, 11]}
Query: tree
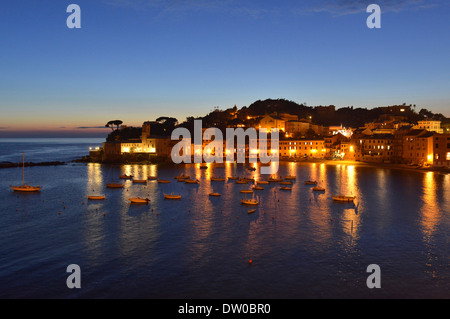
{"type": "Point", "coordinates": [111, 124]}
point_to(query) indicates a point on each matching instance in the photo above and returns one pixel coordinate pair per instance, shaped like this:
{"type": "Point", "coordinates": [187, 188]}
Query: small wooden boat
{"type": "Point", "coordinates": [274, 179]}
{"type": "Point", "coordinates": [286, 183]}
{"type": "Point", "coordinates": [249, 179]}
{"type": "Point", "coordinates": [310, 182]}
{"type": "Point", "coordinates": [141, 181]}
{"type": "Point", "coordinates": [318, 189]}
{"type": "Point", "coordinates": [114, 185]}
{"type": "Point", "coordinates": [139, 200]}
{"type": "Point", "coordinates": [232, 177]}
{"type": "Point", "coordinates": [182, 176]}
{"type": "Point", "coordinates": [343, 198]}
{"type": "Point", "coordinates": [214, 194]}
{"type": "Point", "coordinates": [163, 181]}
{"type": "Point", "coordinates": [286, 188]}
{"type": "Point", "coordinates": [241, 181]}
{"type": "Point", "coordinates": [152, 178]}
{"type": "Point", "coordinates": [96, 197]}
{"type": "Point", "coordinates": [191, 181]}
{"type": "Point", "coordinates": [172, 196]}
{"type": "Point", "coordinates": [217, 179]}
{"type": "Point", "coordinates": [290, 177]}
{"type": "Point", "coordinates": [251, 211]}
{"type": "Point", "coordinates": [247, 191]}
{"type": "Point", "coordinates": [125, 176]}
{"type": "Point", "coordinates": [262, 182]}
{"type": "Point", "coordinates": [258, 187]}
{"type": "Point", "coordinates": [251, 202]}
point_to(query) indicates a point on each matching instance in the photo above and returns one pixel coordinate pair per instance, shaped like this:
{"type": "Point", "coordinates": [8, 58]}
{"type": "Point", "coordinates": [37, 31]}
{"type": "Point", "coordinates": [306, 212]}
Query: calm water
{"type": "Point", "coordinates": [302, 244]}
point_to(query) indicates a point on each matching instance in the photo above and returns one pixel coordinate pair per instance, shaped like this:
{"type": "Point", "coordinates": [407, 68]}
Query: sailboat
{"type": "Point", "coordinates": [340, 197]}
{"type": "Point", "coordinates": [24, 187]}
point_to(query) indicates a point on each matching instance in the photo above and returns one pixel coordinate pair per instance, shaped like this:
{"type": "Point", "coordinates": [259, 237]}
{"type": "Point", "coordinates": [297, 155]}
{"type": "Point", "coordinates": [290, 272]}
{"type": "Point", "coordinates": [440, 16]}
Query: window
{"type": "Point", "coordinates": [448, 156]}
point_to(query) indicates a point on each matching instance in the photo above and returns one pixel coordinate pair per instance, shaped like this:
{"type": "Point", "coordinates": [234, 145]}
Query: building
{"type": "Point", "coordinates": [429, 125]}
{"type": "Point", "coordinates": [377, 148]}
{"type": "Point", "coordinates": [441, 150]}
{"type": "Point", "coordinates": [295, 148]}
{"type": "Point", "coordinates": [272, 121]}
{"type": "Point", "coordinates": [418, 147]}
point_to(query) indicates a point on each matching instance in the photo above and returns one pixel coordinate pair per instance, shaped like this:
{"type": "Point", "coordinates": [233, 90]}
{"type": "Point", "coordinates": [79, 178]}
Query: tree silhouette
{"type": "Point", "coordinates": [111, 124]}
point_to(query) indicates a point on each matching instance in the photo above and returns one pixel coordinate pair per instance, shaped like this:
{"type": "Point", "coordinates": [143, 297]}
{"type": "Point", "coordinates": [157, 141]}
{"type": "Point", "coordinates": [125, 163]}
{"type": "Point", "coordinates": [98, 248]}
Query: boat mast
{"type": "Point", "coordinates": [23, 168]}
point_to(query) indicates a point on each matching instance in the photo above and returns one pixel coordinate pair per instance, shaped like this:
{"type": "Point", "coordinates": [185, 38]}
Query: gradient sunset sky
{"type": "Point", "coordinates": [136, 60]}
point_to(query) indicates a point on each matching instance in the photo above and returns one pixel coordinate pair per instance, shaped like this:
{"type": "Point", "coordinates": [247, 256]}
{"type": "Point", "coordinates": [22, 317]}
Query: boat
{"type": "Point", "coordinates": [262, 182]}
{"type": "Point", "coordinates": [249, 179]}
{"type": "Point", "coordinates": [214, 194]}
{"type": "Point", "coordinates": [114, 185]}
{"type": "Point", "coordinates": [247, 191]}
{"type": "Point", "coordinates": [217, 179]}
{"type": "Point", "coordinates": [310, 182]}
{"type": "Point", "coordinates": [286, 183]}
{"type": "Point", "coordinates": [241, 181]}
{"type": "Point", "coordinates": [191, 181]}
{"type": "Point", "coordinates": [251, 202]}
{"type": "Point", "coordinates": [125, 176]}
{"type": "Point", "coordinates": [152, 178]}
{"type": "Point", "coordinates": [139, 200]}
{"type": "Point", "coordinates": [163, 181]}
{"type": "Point", "coordinates": [290, 177]}
{"type": "Point", "coordinates": [203, 166]}
{"type": "Point", "coordinates": [182, 176]}
{"type": "Point", "coordinates": [340, 197]}
{"type": "Point", "coordinates": [232, 177]}
{"type": "Point", "coordinates": [251, 211]}
{"type": "Point", "coordinates": [343, 198]}
{"type": "Point", "coordinates": [275, 179]}
{"type": "Point", "coordinates": [96, 197]}
{"type": "Point", "coordinates": [142, 181]}
{"type": "Point", "coordinates": [24, 187]}
{"type": "Point", "coordinates": [286, 188]}
{"type": "Point", "coordinates": [257, 187]}
{"type": "Point", "coordinates": [318, 189]}
{"type": "Point", "coordinates": [172, 196]}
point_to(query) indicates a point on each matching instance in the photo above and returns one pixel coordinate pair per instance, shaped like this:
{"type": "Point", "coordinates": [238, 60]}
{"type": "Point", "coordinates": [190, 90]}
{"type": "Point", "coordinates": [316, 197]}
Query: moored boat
{"type": "Point", "coordinates": [114, 185]}
{"type": "Point", "coordinates": [251, 202]}
{"type": "Point", "coordinates": [275, 179]}
{"type": "Point", "coordinates": [310, 182]}
{"type": "Point", "coordinates": [286, 188]}
{"type": "Point", "coordinates": [246, 191]}
{"type": "Point", "coordinates": [215, 194]}
{"type": "Point", "coordinates": [126, 176]}
{"type": "Point", "coordinates": [257, 187]}
{"type": "Point", "coordinates": [152, 178]}
{"type": "Point", "coordinates": [217, 179]}
{"type": "Point", "coordinates": [262, 182]}
{"type": "Point", "coordinates": [290, 177]}
{"type": "Point", "coordinates": [172, 196]}
{"type": "Point", "coordinates": [251, 211]}
{"type": "Point", "coordinates": [139, 200]}
{"type": "Point", "coordinates": [191, 181]}
{"type": "Point", "coordinates": [343, 198]}
{"type": "Point", "coordinates": [286, 183]}
{"type": "Point", "coordinates": [141, 181]}
{"type": "Point", "coordinates": [163, 181]}
{"type": "Point", "coordinates": [318, 189]}
{"type": "Point", "coordinates": [96, 197]}
{"type": "Point", "coordinates": [24, 187]}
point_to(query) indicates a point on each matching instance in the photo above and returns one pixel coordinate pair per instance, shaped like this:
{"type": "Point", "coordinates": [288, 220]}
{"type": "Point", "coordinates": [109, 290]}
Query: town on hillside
{"type": "Point", "coordinates": [394, 134]}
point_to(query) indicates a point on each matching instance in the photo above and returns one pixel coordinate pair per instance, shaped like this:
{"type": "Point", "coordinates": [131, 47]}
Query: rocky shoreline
{"type": "Point", "coordinates": [29, 164]}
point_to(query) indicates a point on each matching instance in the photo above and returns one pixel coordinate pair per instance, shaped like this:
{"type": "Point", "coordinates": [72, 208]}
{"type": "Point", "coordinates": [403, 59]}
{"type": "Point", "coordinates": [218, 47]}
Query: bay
{"type": "Point", "coordinates": [300, 242]}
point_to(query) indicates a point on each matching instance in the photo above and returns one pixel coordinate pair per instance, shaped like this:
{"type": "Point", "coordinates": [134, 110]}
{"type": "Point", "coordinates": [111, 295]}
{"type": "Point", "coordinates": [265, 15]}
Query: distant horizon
{"type": "Point", "coordinates": [100, 131]}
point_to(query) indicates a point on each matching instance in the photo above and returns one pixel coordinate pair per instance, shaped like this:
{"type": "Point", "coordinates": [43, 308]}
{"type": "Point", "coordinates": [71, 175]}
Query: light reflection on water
{"type": "Point", "coordinates": [301, 242]}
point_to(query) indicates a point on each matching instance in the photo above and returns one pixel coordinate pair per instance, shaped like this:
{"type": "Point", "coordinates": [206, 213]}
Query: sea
{"type": "Point", "coordinates": [298, 244]}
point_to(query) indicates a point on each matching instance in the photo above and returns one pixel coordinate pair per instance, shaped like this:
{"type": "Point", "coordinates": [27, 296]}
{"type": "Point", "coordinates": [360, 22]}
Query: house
{"type": "Point", "coordinates": [441, 150]}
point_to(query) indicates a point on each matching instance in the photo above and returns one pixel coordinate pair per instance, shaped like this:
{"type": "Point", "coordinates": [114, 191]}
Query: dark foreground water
{"type": "Point", "coordinates": [302, 244]}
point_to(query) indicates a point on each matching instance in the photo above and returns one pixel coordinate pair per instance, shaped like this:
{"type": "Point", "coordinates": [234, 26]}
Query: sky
{"type": "Point", "coordinates": [137, 60]}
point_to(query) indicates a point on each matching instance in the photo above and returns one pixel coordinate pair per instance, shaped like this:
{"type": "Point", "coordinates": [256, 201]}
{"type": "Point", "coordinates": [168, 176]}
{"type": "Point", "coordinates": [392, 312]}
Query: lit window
{"type": "Point", "coordinates": [448, 156]}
